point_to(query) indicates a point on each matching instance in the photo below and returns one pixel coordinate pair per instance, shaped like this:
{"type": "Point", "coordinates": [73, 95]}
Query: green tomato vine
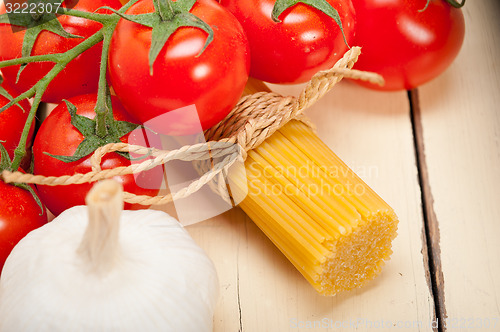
{"type": "Point", "coordinates": [164, 21]}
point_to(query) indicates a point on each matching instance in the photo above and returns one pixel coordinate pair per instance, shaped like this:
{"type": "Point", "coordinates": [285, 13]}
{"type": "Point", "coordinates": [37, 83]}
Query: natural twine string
{"type": "Point", "coordinates": [255, 118]}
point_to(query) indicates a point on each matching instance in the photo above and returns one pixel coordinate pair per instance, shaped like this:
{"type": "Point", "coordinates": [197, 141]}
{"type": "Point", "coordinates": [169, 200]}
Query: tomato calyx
{"type": "Point", "coordinates": [453, 3]}
{"type": "Point", "coordinates": [5, 162]}
{"type": "Point", "coordinates": [92, 141]}
{"type": "Point", "coordinates": [168, 17]}
{"type": "Point", "coordinates": [322, 5]}
{"type": "Point", "coordinates": [5, 94]}
{"type": "Point", "coordinates": [35, 23]}
{"type": "Point", "coordinates": [6, 165]}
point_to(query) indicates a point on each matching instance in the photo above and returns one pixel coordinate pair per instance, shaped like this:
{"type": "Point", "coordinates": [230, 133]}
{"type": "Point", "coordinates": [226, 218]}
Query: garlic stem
{"type": "Point", "coordinates": [100, 245]}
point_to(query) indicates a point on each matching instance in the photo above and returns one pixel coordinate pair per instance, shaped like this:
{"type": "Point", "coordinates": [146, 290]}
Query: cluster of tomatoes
{"type": "Point", "coordinates": [407, 44]}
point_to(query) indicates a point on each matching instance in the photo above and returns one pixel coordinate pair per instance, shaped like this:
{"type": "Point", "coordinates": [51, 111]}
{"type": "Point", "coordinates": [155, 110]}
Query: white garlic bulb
{"type": "Point", "coordinates": [140, 271]}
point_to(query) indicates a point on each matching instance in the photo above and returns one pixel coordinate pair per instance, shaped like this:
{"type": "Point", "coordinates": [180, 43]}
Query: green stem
{"type": "Point", "coordinates": [33, 58]}
{"type": "Point", "coordinates": [164, 9]}
{"type": "Point", "coordinates": [20, 150]}
{"type": "Point", "coordinates": [105, 19]}
{"type": "Point", "coordinates": [61, 60]}
{"type": "Point", "coordinates": [101, 108]}
{"type": "Point", "coordinates": [68, 56]}
{"type": "Point", "coordinates": [26, 94]}
{"type": "Point", "coordinates": [39, 88]}
{"type": "Point", "coordinates": [101, 18]}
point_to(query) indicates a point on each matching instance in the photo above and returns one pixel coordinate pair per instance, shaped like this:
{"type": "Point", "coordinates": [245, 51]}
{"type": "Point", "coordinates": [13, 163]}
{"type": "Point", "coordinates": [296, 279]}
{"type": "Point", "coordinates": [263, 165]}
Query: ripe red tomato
{"type": "Point", "coordinates": [12, 122]}
{"type": "Point", "coordinates": [19, 215]}
{"type": "Point", "coordinates": [212, 81]}
{"type": "Point", "coordinates": [58, 136]}
{"type": "Point", "coordinates": [80, 76]}
{"type": "Point", "coordinates": [407, 46]}
{"type": "Point", "coordinates": [306, 41]}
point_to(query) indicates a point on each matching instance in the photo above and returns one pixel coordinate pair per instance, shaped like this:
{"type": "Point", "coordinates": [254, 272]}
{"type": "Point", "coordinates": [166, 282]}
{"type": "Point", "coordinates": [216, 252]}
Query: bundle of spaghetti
{"type": "Point", "coordinates": [329, 224]}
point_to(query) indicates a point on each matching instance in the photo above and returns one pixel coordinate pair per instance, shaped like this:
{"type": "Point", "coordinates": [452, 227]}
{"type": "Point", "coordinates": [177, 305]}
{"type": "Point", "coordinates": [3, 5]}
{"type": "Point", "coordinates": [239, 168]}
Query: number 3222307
{"type": "Point", "coordinates": [32, 8]}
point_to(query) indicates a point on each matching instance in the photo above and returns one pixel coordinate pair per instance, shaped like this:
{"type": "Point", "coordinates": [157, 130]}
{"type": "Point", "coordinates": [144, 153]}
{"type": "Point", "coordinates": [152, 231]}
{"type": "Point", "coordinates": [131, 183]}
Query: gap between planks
{"type": "Point", "coordinates": [431, 237]}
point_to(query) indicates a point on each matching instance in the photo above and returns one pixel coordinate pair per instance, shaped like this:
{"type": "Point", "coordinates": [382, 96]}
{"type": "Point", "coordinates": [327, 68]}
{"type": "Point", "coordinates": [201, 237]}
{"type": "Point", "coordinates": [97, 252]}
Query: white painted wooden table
{"type": "Point", "coordinates": [434, 155]}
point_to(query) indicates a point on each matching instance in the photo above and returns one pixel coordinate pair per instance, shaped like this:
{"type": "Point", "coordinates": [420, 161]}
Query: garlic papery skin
{"type": "Point", "coordinates": [155, 279]}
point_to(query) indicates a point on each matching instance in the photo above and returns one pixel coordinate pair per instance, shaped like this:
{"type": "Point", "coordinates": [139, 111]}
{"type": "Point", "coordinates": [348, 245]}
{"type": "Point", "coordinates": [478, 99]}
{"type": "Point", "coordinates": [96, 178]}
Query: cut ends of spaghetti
{"type": "Point", "coordinates": [327, 221]}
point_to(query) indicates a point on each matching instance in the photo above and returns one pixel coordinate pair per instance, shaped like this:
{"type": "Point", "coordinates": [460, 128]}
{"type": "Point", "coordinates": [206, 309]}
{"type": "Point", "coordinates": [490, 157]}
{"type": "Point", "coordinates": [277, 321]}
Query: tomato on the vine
{"type": "Point", "coordinates": [405, 43]}
{"type": "Point", "coordinates": [19, 215]}
{"type": "Point", "coordinates": [181, 75]}
{"type": "Point", "coordinates": [58, 136]}
{"type": "Point", "coordinates": [305, 41]}
{"type": "Point", "coordinates": [80, 76]}
{"type": "Point", "coordinates": [12, 122]}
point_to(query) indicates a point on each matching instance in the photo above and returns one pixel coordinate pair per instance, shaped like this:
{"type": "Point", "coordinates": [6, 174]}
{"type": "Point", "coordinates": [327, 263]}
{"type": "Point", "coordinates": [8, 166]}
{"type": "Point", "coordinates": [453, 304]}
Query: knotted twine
{"type": "Point", "coordinates": [255, 118]}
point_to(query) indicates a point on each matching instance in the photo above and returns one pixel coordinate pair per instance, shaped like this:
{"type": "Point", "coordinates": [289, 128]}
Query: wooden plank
{"type": "Point", "coordinates": [221, 237]}
{"type": "Point", "coordinates": [262, 291]}
{"type": "Point", "coordinates": [461, 135]}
